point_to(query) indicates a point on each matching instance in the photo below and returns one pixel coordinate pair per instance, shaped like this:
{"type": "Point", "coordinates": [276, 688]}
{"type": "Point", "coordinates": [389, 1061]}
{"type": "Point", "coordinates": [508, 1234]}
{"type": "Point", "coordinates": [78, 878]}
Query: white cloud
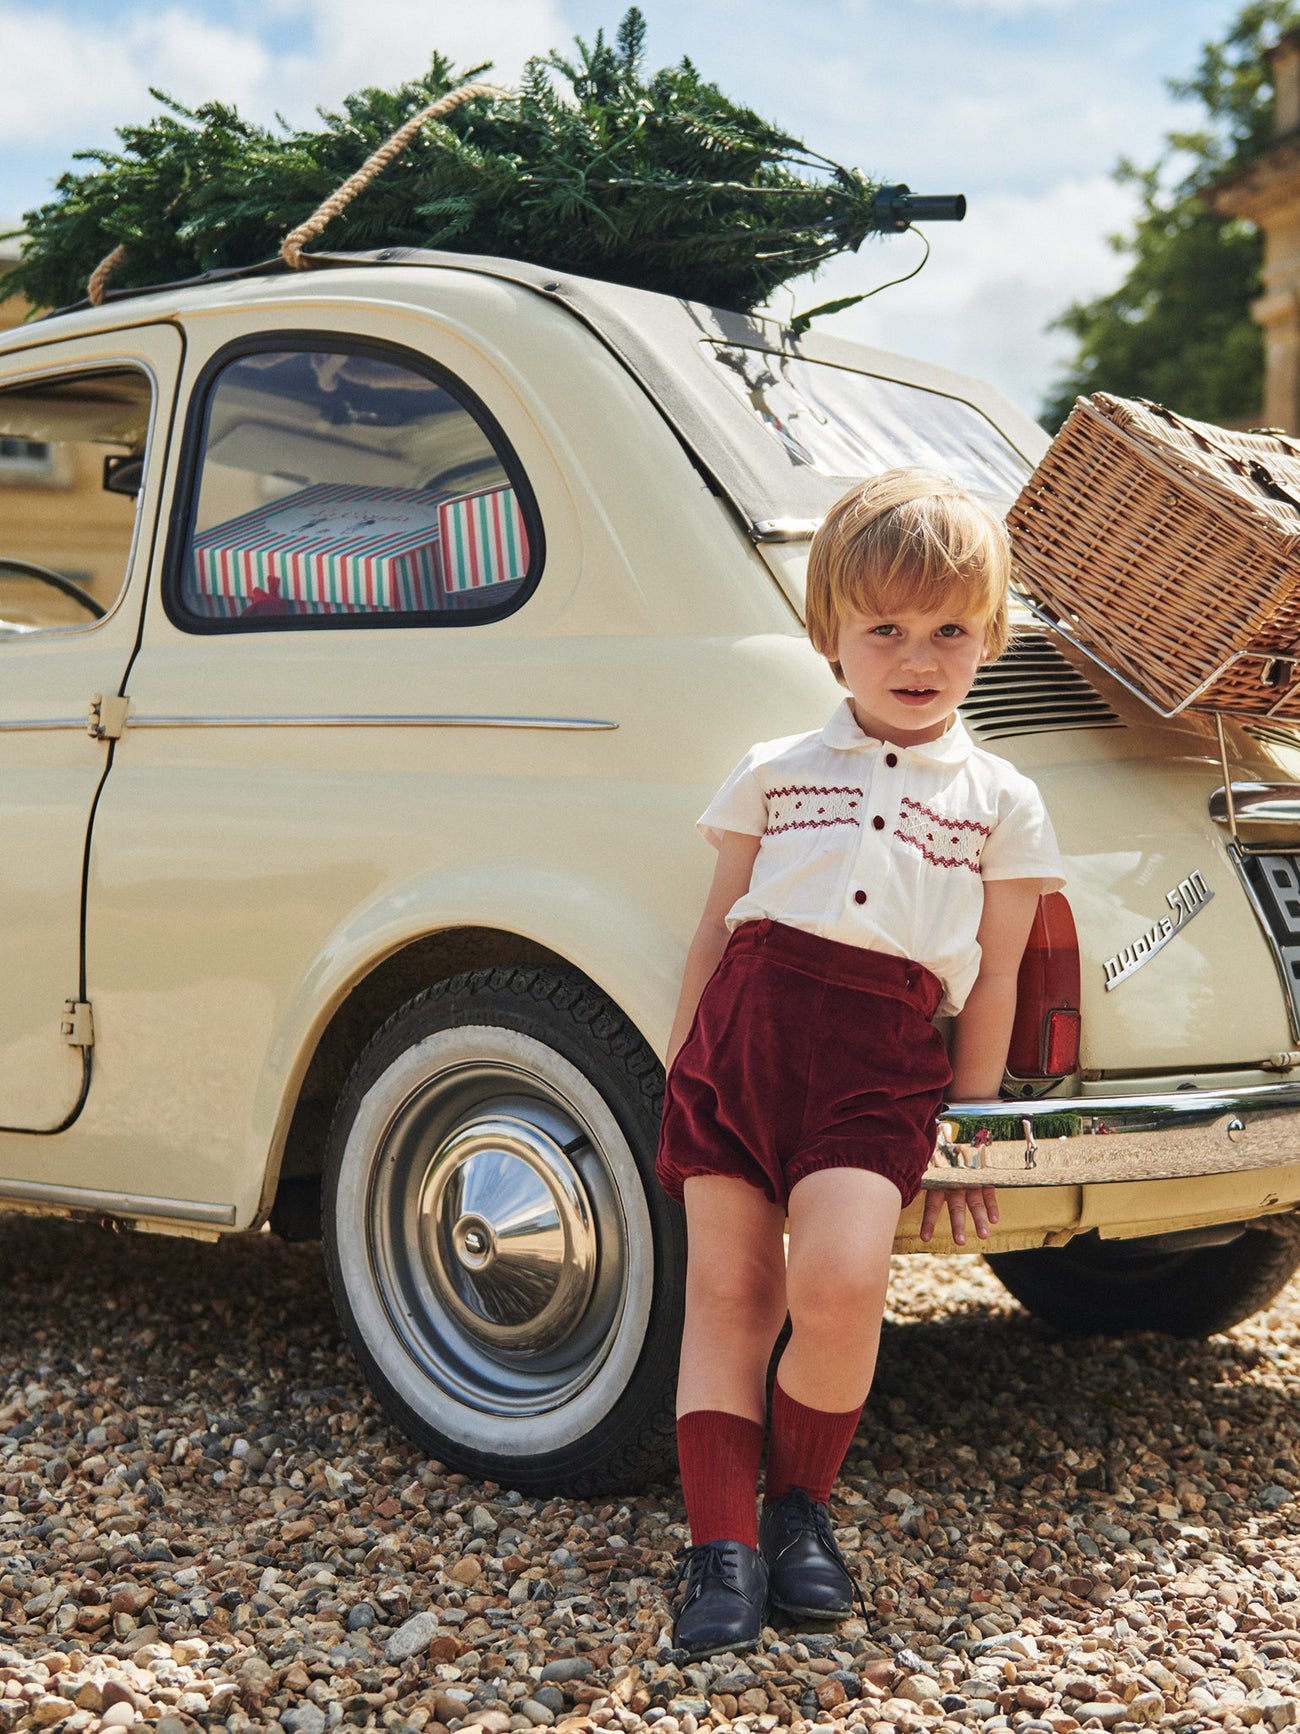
{"type": "Point", "coordinates": [391, 40]}
{"type": "Point", "coordinates": [45, 59]}
{"type": "Point", "coordinates": [984, 300]}
{"type": "Point", "coordinates": [194, 58]}
{"type": "Point", "coordinates": [1018, 8]}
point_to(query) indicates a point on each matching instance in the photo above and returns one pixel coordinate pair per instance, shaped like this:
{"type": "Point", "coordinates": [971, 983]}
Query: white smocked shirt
{"type": "Point", "coordinates": [883, 846]}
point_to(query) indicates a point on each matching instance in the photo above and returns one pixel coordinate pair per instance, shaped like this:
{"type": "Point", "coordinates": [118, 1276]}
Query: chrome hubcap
{"type": "Point", "coordinates": [507, 1233]}
{"type": "Point", "coordinates": [497, 1237]}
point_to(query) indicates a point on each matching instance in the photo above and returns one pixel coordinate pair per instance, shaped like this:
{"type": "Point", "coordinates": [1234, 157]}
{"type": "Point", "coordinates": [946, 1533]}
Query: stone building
{"type": "Point", "coordinates": [1268, 193]}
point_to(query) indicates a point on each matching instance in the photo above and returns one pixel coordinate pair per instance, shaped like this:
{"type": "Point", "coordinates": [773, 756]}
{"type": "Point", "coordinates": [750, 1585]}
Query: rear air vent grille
{"type": "Point", "coordinates": [1274, 734]}
{"type": "Point", "coordinates": [1032, 689]}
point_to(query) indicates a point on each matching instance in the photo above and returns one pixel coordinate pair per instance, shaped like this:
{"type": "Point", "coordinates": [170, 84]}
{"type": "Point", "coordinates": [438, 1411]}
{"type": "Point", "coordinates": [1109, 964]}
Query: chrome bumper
{"type": "Point", "coordinates": [1094, 1140]}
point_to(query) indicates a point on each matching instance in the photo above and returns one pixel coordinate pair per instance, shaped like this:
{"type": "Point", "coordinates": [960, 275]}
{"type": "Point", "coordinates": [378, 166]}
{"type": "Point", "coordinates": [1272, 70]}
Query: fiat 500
{"type": "Point", "coordinates": [370, 640]}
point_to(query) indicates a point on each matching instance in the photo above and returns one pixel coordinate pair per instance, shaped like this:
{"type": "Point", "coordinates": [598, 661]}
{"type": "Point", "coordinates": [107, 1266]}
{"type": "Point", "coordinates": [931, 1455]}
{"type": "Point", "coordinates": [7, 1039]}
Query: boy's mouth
{"type": "Point", "coordinates": [916, 694]}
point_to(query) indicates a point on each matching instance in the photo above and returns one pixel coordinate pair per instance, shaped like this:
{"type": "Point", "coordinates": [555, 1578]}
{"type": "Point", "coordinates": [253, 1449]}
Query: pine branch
{"type": "Point", "coordinates": [656, 180]}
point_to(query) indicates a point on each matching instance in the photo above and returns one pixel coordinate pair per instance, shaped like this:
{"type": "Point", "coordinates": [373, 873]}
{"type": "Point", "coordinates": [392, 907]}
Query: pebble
{"type": "Point", "coordinates": [567, 1668]}
{"type": "Point", "coordinates": [412, 1638]}
{"type": "Point", "coordinates": [305, 1719]}
{"type": "Point", "coordinates": [539, 1714]}
{"type": "Point", "coordinates": [206, 1522]}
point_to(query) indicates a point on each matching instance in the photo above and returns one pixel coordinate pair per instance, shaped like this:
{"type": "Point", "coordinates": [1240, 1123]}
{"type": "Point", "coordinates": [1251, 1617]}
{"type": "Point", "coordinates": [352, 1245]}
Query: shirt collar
{"type": "Point", "coordinates": [951, 748]}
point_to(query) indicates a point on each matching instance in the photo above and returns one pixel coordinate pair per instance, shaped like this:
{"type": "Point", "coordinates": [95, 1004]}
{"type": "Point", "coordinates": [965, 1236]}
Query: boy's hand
{"type": "Point", "coordinates": [982, 1202]}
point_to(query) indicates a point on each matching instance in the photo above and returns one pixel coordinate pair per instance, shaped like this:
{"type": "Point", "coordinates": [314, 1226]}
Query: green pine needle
{"type": "Point", "coordinates": [658, 181]}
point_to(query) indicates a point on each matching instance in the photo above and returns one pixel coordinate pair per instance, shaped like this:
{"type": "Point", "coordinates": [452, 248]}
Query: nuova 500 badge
{"type": "Point", "coordinates": [1187, 899]}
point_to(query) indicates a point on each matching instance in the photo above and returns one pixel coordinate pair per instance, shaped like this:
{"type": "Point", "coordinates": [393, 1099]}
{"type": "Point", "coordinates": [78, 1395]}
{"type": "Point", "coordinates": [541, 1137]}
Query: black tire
{"type": "Point", "coordinates": [1114, 1286]}
{"type": "Point", "coordinates": [505, 1264]}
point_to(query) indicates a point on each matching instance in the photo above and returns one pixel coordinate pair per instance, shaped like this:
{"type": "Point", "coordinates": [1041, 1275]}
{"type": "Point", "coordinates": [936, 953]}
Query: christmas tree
{"type": "Point", "coordinates": [658, 181]}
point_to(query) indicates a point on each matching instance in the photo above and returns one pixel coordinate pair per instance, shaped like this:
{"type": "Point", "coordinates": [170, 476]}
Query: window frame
{"type": "Point", "coordinates": [189, 477]}
{"type": "Point", "coordinates": [53, 370]}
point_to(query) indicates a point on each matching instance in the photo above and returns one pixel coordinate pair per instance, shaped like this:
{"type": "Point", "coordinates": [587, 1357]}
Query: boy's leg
{"type": "Point", "coordinates": [735, 1307]}
{"type": "Point", "coordinates": [842, 1225]}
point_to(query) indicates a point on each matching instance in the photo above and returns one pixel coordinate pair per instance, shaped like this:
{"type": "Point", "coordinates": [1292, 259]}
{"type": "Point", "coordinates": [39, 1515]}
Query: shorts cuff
{"type": "Point", "coordinates": [900, 1170]}
{"type": "Point", "coordinates": [673, 1180]}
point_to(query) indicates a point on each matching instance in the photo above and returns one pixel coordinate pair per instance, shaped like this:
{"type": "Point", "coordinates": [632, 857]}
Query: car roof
{"type": "Point", "coordinates": [664, 341]}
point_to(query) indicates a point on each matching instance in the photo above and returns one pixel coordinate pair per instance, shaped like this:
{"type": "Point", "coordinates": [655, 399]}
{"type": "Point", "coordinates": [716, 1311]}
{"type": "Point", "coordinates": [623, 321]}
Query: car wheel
{"type": "Point", "coordinates": [504, 1261]}
{"type": "Point", "coordinates": [1114, 1286]}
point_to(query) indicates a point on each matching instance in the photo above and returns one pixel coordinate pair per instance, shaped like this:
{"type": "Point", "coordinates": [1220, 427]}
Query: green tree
{"type": "Point", "coordinates": [1178, 328]}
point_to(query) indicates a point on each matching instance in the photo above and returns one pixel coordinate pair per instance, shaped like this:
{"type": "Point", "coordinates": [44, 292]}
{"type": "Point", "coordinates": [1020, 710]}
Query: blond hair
{"type": "Point", "coordinates": [907, 539]}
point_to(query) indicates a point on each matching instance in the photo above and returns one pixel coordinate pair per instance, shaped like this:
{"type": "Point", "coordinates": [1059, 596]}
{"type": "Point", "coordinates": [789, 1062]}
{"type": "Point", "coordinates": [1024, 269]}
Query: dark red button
{"type": "Point", "coordinates": [859, 897]}
{"type": "Point", "coordinates": [878, 823]}
{"type": "Point", "coordinates": [891, 759]}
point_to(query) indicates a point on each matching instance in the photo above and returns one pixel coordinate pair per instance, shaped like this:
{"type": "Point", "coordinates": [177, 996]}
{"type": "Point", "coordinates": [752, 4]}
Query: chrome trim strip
{"type": "Point", "coordinates": [63, 722]}
{"type": "Point", "coordinates": [1111, 1139]}
{"type": "Point", "coordinates": [334, 722]}
{"type": "Point", "coordinates": [784, 529]}
{"type": "Point", "coordinates": [117, 1203]}
{"type": "Point", "coordinates": [1261, 803]}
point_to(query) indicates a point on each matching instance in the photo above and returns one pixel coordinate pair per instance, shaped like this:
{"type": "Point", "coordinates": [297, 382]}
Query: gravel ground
{"type": "Point", "coordinates": [205, 1521]}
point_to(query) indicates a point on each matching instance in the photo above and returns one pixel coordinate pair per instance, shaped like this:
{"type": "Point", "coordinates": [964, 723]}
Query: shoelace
{"type": "Point", "coordinates": [822, 1524]}
{"type": "Point", "coordinates": [697, 1565]}
{"type": "Point", "coordinates": [818, 1519]}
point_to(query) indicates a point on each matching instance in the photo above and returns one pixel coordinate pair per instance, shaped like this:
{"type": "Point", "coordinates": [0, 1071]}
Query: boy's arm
{"type": "Point", "coordinates": [982, 1036]}
{"type": "Point", "coordinates": [731, 876]}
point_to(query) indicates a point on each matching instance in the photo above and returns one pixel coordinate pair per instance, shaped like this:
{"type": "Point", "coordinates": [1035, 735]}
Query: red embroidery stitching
{"type": "Point", "coordinates": [829, 793]}
{"type": "Point", "coordinates": [971, 846]}
{"type": "Point", "coordinates": [942, 819]}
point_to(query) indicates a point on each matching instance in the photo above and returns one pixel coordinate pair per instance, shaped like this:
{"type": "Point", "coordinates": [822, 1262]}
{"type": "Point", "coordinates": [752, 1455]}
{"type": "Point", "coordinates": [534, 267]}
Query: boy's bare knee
{"type": "Point", "coordinates": [740, 1289]}
{"type": "Point", "coordinates": [829, 1300]}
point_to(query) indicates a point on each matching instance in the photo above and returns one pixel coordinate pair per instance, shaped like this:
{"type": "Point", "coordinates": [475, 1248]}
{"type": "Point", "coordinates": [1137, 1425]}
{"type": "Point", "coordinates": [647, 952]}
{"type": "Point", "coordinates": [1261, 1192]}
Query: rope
{"type": "Point", "coordinates": [293, 243]}
{"type": "Point", "coordinates": [97, 284]}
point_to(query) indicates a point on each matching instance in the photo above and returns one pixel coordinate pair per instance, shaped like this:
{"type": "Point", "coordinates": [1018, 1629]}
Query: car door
{"type": "Point", "coordinates": [81, 436]}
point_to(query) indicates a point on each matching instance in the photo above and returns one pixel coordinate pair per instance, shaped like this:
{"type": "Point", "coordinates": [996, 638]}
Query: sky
{"type": "Point", "coordinates": [1024, 106]}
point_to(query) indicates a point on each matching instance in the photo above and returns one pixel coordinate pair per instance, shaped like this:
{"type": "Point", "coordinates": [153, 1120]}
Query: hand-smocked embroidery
{"type": "Point", "coordinates": [943, 841]}
{"type": "Point", "coordinates": [805, 807]}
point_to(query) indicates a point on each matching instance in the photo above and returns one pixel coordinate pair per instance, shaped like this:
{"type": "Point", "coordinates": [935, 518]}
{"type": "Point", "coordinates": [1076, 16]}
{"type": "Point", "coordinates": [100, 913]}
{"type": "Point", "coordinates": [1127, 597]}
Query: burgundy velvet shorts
{"type": "Point", "coordinates": [806, 1054]}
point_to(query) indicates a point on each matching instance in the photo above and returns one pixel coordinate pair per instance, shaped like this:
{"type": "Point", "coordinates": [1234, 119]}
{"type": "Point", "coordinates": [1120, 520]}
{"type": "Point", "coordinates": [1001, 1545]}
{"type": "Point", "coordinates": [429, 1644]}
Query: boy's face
{"type": "Point", "coordinates": [908, 671]}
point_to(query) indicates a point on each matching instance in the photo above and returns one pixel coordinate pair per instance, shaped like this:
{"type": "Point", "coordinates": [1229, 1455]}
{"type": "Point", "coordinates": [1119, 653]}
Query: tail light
{"type": "Point", "coordinates": [1045, 1035]}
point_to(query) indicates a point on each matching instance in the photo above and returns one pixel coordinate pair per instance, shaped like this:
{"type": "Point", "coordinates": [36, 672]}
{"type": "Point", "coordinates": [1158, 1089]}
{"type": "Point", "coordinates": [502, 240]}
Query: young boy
{"type": "Point", "coordinates": [869, 875]}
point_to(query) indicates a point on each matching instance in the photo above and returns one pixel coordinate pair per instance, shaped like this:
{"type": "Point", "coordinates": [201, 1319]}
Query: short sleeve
{"type": "Point", "coordinates": [739, 805]}
{"type": "Point", "coordinates": [1022, 845]}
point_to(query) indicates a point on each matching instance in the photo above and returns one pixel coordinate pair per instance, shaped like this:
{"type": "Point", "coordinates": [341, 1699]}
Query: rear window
{"type": "Point", "coordinates": [839, 422]}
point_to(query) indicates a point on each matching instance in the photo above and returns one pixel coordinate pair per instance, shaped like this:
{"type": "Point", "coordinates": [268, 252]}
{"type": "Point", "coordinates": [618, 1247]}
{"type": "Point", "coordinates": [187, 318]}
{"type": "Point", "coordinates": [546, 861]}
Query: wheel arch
{"type": "Point", "coordinates": [290, 1189]}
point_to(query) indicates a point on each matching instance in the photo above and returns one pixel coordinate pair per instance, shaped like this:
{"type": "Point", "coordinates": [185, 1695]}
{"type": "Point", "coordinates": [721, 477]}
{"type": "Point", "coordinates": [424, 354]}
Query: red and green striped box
{"type": "Point", "coordinates": [482, 540]}
{"type": "Point", "coordinates": [330, 547]}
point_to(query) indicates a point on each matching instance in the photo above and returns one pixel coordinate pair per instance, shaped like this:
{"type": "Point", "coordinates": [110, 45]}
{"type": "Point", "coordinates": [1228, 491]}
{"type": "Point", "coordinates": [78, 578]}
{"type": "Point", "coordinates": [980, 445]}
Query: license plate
{"type": "Point", "coordinates": [1274, 881]}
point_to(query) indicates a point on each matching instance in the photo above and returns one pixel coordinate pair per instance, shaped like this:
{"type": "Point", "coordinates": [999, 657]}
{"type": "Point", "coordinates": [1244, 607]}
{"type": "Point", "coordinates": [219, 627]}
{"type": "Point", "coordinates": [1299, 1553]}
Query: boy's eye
{"type": "Point", "coordinates": [885, 630]}
{"type": "Point", "coordinates": [952, 630]}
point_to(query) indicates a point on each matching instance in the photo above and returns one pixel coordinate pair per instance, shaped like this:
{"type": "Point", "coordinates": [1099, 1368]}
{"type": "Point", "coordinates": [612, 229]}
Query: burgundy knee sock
{"type": "Point", "coordinates": [806, 1448]}
{"type": "Point", "coordinates": [719, 1456]}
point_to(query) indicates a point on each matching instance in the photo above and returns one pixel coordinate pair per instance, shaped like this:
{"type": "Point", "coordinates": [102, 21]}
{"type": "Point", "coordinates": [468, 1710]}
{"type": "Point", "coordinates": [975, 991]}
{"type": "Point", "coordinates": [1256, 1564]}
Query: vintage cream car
{"type": "Point", "coordinates": [371, 640]}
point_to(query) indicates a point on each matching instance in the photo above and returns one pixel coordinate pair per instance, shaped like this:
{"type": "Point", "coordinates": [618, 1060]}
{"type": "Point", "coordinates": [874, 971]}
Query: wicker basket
{"type": "Point", "coordinates": [1170, 550]}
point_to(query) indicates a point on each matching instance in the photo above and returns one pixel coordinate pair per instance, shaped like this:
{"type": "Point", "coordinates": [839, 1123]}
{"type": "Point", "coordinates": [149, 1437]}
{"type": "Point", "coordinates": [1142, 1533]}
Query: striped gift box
{"type": "Point", "coordinates": [482, 540]}
{"type": "Point", "coordinates": [329, 547]}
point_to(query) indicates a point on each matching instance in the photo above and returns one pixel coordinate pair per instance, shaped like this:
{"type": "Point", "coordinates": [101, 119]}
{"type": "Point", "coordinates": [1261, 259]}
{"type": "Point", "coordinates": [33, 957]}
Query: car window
{"type": "Point", "coordinates": [842, 423]}
{"type": "Point", "coordinates": [339, 487]}
{"type": "Point", "coordinates": [72, 453]}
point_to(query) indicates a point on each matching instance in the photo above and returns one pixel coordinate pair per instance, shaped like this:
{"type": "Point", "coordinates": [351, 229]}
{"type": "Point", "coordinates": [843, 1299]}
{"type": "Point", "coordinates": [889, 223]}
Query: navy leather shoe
{"type": "Point", "coordinates": [806, 1570]}
{"type": "Point", "coordinates": [723, 1600]}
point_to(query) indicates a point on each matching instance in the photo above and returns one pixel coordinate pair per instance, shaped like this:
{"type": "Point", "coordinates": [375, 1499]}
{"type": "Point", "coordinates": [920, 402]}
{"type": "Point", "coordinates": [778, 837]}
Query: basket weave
{"type": "Point", "coordinates": [1170, 549]}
